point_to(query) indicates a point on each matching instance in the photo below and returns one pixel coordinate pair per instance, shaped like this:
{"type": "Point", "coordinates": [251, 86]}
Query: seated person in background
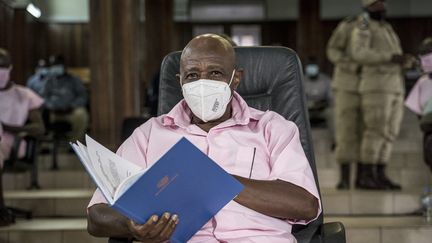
{"type": "Point", "coordinates": [422, 90]}
{"type": "Point", "coordinates": [19, 116]}
{"type": "Point", "coordinates": [66, 98]}
{"type": "Point", "coordinates": [419, 99]}
{"type": "Point", "coordinates": [36, 82]}
{"type": "Point", "coordinates": [279, 191]}
{"type": "Point", "coordinates": [6, 217]}
{"type": "Point", "coordinates": [318, 91]}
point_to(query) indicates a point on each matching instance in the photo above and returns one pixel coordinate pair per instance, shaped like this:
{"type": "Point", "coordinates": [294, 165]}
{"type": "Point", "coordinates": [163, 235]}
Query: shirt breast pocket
{"type": "Point", "coordinates": [251, 162]}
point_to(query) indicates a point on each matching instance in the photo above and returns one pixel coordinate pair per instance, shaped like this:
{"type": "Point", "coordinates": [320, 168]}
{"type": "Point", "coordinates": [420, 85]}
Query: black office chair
{"type": "Point", "coordinates": [129, 124]}
{"type": "Point", "coordinates": [27, 163]}
{"type": "Point", "coordinates": [272, 80]}
{"type": "Point", "coordinates": [55, 135]}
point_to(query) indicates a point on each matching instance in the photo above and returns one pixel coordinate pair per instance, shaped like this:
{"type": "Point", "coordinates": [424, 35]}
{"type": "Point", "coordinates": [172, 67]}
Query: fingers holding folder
{"type": "Point", "coordinates": [155, 229]}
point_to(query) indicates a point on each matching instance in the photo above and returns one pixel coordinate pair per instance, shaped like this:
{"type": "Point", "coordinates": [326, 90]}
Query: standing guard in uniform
{"type": "Point", "coordinates": [347, 116]}
{"type": "Point", "coordinates": [369, 95]}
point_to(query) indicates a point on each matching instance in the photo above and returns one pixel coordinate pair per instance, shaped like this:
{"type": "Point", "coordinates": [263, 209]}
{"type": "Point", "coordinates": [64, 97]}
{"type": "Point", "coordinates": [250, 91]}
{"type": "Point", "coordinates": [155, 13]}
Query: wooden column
{"type": "Point", "coordinates": [159, 28]}
{"type": "Point", "coordinates": [115, 92]}
{"type": "Point", "coordinates": [6, 25]}
{"type": "Point", "coordinates": [14, 37]}
{"type": "Point", "coordinates": [20, 48]}
{"type": "Point", "coordinates": [309, 30]}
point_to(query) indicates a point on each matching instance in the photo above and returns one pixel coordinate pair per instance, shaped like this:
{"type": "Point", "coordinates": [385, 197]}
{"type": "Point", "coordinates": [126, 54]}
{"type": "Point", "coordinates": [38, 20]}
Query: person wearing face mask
{"type": "Point", "coordinates": [66, 98]}
{"type": "Point", "coordinates": [19, 116]}
{"type": "Point", "coordinates": [347, 114]}
{"type": "Point", "coordinates": [318, 92]}
{"type": "Point", "coordinates": [280, 191]}
{"type": "Point", "coordinates": [376, 47]}
{"type": "Point", "coordinates": [36, 82]}
{"type": "Point", "coordinates": [419, 100]}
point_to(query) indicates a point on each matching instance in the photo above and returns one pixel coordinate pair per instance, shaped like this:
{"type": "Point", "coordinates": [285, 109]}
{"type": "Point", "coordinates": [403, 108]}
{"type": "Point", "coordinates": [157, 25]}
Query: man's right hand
{"type": "Point", "coordinates": [154, 230]}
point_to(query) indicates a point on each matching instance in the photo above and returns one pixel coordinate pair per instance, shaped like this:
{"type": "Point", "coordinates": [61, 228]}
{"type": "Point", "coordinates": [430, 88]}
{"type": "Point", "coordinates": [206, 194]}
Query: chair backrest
{"type": "Point", "coordinates": [273, 80]}
{"type": "Point", "coordinates": [129, 125]}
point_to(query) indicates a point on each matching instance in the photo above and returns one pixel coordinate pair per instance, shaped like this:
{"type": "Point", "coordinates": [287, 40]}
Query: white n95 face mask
{"type": "Point", "coordinates": [208, 99]}
{"type": "Point", "coordinates": [312, 70]}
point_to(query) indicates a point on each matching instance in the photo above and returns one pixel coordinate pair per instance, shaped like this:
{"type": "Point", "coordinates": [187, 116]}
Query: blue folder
{"type": "Point", "coordinates": [184, 181]}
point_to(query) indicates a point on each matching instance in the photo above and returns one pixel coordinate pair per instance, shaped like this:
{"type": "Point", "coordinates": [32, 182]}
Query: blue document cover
{"type": "Point", "coordinates": [184, 181]}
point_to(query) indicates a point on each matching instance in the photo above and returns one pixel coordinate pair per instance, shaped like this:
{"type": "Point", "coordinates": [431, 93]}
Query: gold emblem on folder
{"type": "Point", "coordinates": [164, 182]}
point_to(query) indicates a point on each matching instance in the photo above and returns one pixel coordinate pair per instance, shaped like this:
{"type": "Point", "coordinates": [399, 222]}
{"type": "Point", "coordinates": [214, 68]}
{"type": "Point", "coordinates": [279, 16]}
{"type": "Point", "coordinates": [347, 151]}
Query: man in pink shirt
{"type": "Point", "coordinates": [261, 149]}
{"type": "Point", "coordinates": [19, 116]}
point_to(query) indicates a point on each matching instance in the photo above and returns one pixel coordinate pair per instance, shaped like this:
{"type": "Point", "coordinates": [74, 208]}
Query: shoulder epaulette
{"type": "Point", "coordinates": [362, 22]}
{"type": "Point", "coordinates": [350, 19]}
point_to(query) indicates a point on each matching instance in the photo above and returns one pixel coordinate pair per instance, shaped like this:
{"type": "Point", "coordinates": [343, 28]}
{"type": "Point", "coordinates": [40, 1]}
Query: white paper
{"type": "Point", "coordinates": [107, 168]}
{"type": "Point", "coordinates": [83, 156]}
{"type": "Point", "coordinates": [124, 186]}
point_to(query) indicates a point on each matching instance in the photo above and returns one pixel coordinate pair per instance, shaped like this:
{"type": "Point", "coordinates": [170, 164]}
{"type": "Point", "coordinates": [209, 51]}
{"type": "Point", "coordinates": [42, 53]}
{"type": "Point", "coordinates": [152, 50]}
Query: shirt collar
{"type": "Point", "coordinates": [181, 114]}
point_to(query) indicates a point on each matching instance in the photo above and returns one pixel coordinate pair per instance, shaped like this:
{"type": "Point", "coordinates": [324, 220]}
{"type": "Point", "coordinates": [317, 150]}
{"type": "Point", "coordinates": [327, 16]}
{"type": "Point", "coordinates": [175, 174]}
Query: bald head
{"type": "Point", "coordinates": [209, 44]}
{"type": "Point", "coordinates": [211, 57]}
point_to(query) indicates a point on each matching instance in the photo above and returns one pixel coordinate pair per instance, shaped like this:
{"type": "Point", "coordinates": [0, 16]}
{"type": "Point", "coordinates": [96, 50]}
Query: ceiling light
{"type": "Point", "coordinates": [33, 10]}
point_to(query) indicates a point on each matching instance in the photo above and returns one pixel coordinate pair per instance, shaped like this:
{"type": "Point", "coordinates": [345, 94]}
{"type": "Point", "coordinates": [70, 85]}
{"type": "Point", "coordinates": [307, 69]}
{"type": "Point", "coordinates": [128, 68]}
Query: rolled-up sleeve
{"type": "Point", "coordinates": [413, 99]}
{"type": "Point", "coordinates": [288, 160]}
{"type": "Point", "coordinates": [34, 100]}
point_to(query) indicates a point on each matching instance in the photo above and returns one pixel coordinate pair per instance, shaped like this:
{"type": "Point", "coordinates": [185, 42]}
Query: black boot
{"type": "Point", "coordinates": [366, 178]}
{"type": "Point", "coordinates": [344, 183]}
{"type": "Point", "coordinates": [383, 180]}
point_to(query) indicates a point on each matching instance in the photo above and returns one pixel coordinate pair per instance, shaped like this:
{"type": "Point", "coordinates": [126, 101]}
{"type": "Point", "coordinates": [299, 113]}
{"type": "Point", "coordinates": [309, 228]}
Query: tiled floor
{"type": "Point", "coordinates": [385, 229]}
{"type": "Point", "coordinates": [360, 202]}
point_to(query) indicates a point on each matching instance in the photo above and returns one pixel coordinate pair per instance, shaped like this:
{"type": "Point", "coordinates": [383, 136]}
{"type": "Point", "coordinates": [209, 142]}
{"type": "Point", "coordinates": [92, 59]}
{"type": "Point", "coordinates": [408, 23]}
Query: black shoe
{"type": "Point", "coordinates": [344, 183]}
{"type": "Point", "coordinates": [383, 180]}
{"type": "Point", "coordinates": [6, 217]}
{"type": "Point", "coordinates": [366, 178]}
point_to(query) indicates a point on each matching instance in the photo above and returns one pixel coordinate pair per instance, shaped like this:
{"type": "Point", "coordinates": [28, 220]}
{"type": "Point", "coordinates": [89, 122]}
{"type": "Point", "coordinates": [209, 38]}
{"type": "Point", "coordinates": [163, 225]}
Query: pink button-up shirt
{"type": "Point", "coordinates": [232, 144]}
{"type": "Point", "coordinates": [419, 95]}
{"type": "Point", "coordinates": [1, 152]}
{"type": "Point", "coordinates": [15, 106]}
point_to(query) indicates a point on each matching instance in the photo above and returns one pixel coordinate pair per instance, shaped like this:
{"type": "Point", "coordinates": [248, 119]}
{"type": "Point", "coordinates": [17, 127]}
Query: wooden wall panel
{"type": "Point", "coordinates": [412, 31]}
{"type": "Point", "coordinates": [308, 32]}
{"type": "Point", "coordinates": [6, 25]}
{"type": "Point", "coordinates": [159, 32]}
{"type": "Point", "coordinates": [69, 40]}
{"type": "Point", "coordinates": [14, 25]}
{"type": "Point", "coordinates": [29, 40]}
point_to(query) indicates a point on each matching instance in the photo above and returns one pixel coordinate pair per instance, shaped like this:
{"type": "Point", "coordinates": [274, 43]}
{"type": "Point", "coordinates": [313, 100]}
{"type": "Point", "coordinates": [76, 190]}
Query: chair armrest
{"type": "Point", "coordinates": [333, 232]}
